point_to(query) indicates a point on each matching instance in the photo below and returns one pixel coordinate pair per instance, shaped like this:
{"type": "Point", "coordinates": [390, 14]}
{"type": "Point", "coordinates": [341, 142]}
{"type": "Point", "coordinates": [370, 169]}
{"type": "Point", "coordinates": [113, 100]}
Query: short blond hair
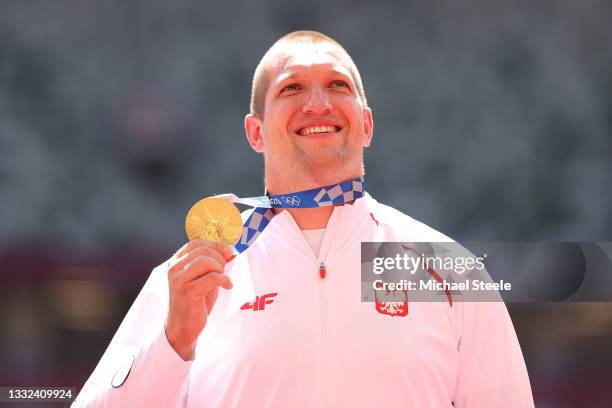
{"type": "Point", "coordinates": [261, 78]}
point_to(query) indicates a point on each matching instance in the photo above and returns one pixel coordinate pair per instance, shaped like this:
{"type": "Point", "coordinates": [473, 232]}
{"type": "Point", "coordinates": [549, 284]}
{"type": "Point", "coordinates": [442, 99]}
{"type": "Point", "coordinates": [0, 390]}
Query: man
{"type": "Point", "coordinates": [289, 328]}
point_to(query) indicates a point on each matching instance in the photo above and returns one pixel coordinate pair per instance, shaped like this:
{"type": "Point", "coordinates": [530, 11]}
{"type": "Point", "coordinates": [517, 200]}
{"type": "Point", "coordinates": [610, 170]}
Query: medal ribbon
{"type": "Point", "coordinates": [335, 194]}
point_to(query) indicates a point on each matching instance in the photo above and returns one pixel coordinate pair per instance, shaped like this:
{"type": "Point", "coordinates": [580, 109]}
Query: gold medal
{"type": "Point", "coordinates": [214, 219]}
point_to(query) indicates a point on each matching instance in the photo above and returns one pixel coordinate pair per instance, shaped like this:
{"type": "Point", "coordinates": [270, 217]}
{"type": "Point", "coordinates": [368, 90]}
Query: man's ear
{"type": "Point", "coordinates": [254, 132]}
{"type": "Point", "coordinates": [368, 126]}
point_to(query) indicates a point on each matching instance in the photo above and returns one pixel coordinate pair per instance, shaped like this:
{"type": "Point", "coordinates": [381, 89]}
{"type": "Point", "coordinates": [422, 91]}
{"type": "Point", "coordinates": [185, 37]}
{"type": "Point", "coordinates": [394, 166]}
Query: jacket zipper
{"type": "Point", "coordinates": [327, 377]}
{"type": "Point", "coordinates": [326, 388]}
{"type": "Point", "coordinates": [324, 340]}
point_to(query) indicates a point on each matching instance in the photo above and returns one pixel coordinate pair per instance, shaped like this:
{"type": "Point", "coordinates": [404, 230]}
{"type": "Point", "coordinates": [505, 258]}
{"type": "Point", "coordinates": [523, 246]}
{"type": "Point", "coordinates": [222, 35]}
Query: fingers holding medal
{"type": "Point", "coordinates": [195, 272]}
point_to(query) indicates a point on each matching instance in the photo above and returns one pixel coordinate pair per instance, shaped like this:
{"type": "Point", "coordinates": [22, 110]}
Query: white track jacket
{"type": "Point", "coordinates": [285, 336]}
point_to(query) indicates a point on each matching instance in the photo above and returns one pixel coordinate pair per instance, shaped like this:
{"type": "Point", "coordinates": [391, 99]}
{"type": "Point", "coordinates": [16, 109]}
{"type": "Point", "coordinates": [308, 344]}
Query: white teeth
{"type": "Point", "coordinates": [318, 129]}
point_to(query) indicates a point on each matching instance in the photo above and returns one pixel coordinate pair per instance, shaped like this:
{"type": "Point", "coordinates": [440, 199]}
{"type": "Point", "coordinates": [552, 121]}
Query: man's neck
{"type": "Point", "coordinates": [309, 218]}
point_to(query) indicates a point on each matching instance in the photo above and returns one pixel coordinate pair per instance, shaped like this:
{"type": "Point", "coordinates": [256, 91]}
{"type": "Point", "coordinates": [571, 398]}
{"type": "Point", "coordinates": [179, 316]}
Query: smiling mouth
{"type": "Point", "coordinates": [312, 130]}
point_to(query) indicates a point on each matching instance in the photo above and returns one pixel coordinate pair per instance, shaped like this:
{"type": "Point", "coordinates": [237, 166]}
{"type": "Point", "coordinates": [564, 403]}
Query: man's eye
{"type": "Point", "coordinates": [291, 87]}
{"type": "Point", "coordinates": [339, 84]}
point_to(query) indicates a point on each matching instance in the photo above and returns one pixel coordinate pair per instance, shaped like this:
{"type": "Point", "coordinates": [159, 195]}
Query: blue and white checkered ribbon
{"type": "Point", "coordinates": [335, 194]}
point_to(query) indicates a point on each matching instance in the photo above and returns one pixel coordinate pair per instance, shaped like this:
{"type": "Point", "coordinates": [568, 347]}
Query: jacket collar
{"type": "Point", "coordinates": [343, 223]}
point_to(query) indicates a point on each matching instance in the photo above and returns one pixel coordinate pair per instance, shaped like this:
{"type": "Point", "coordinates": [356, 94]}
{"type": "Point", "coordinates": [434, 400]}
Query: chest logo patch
{"type": "Point", "coordinates": [392, 302]}
{"type": "Point", "coordinates": [259, 303]}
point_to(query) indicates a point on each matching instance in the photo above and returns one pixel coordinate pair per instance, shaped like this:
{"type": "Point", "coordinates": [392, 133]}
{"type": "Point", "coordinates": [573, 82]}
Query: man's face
{"type": "Point", "coordinates": [314, 120]}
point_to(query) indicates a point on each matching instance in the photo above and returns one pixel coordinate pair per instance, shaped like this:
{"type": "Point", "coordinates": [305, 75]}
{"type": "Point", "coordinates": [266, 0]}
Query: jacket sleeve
{"type": "Point", "coordinates": [139, 367]}
{"type": "Point", "coordinates": [492, 370]}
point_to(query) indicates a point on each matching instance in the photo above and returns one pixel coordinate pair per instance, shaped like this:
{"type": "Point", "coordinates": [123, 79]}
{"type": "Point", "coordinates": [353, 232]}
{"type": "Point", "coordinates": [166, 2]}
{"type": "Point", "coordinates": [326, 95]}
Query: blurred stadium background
{"type": "Point", "coordinates": [493, 121]}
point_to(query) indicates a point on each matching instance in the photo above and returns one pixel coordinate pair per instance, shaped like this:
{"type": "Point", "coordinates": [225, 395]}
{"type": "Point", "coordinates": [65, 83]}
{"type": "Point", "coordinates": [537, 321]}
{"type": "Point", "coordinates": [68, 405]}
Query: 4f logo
{"type": "Point", "coordinates": [259, 303]}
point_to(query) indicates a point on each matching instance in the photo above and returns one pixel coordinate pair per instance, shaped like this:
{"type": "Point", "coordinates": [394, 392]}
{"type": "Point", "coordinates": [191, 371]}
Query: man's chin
{"type": "Point", "coordinates": [324, 164]}
{"type": "Point", "coordinates": [330, 157]}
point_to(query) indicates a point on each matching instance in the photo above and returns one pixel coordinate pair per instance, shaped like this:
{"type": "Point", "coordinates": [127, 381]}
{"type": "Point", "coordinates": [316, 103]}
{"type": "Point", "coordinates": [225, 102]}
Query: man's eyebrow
{"type": "Point", "coordinates": [288, 76]}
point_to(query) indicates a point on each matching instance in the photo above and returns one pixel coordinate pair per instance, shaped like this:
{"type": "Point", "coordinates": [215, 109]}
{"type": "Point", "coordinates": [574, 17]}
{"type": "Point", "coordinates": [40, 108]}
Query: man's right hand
{"type": "Point", "coordinates": [195, 273]}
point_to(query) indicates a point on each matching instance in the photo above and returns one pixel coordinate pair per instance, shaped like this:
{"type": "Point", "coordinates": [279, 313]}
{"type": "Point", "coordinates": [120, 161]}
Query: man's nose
{"type": "Point", "coordinates": [317, 101]}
